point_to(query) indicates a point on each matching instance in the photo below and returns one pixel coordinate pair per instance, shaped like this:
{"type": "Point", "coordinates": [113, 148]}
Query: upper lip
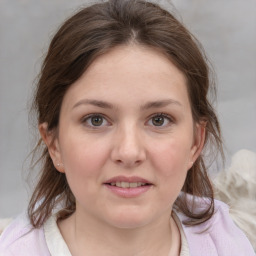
{"type": "Point", "coordinates": [131, 179]}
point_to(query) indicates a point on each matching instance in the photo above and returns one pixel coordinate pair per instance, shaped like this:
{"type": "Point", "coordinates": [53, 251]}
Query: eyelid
{"type": "Point", "coordinates": [165, 115]}
{"type": "Point", "coordinates": [86, 117]}
{"type": "Point", "coordinates": [170, 118]}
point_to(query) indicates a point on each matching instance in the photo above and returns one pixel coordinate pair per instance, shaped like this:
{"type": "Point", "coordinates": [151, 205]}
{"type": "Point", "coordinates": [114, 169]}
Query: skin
{"type": "Point", "coordinates": [128, 142]}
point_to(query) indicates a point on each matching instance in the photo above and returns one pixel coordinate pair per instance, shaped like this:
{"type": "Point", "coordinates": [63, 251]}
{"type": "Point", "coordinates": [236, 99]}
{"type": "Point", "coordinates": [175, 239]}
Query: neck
{"type": "Point", "coordinates": [91, 237]}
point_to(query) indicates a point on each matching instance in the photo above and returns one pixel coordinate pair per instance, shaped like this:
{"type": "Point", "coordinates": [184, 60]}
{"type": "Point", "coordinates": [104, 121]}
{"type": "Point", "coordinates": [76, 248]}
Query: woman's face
{"type": "Point", "coordinates": [126, 137]}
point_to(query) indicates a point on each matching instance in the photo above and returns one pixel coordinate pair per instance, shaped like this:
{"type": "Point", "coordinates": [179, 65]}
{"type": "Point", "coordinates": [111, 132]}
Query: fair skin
{"type": "Point", "coordinates": [128, 115]}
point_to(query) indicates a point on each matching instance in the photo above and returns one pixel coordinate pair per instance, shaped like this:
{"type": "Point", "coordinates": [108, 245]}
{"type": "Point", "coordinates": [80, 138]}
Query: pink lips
{"type": "Point", "coordinates": [131, 191]}
{"type": "Point", "coordinates": [127, 179]}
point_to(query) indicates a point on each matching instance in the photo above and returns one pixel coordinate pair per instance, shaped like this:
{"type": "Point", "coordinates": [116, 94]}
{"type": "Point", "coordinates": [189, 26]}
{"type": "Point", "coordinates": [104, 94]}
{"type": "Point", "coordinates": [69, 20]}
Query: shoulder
{"type": "Point", "coordinates": [217, 236]}
{"type": "Point", "coordinates": [20, 238]}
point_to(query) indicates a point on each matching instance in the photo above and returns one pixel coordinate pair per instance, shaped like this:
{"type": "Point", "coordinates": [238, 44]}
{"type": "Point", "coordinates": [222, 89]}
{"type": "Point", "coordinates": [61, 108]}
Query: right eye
{"type": "Point", "coordinates": [95, 120]}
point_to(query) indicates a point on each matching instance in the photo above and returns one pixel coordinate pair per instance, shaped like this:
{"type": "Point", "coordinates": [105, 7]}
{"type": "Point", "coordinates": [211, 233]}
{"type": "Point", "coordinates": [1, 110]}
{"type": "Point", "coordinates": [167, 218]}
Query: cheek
{"type": "Point", "coordinates": [83, 157]}
{"type": "Point", "coordinates": [170, 162]}
{"type": "Point", "coordinates": [83, 163]}
{"type": "Point", "coordinates": [171, 158]}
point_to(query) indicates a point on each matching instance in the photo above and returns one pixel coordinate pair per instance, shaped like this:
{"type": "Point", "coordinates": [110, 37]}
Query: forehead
{"type": "Point", "coordinates": [133, 71]}
{"type": "Point", "coordinates": [134, 59]}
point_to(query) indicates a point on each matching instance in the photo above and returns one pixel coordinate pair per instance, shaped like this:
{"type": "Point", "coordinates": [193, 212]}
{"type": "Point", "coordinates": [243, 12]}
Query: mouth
{"type": "Point", "coordinates": [123, 184]}
{"type": "Point", "coordinates": [127, 182]}
{"type": "Point", "coordinates": [128, 187]}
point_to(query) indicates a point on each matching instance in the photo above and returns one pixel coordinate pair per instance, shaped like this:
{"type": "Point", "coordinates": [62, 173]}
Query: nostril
{"type": "Point", "coordinates": [128, 163]}
{"type": "Point", "coordinates": [126, 154]}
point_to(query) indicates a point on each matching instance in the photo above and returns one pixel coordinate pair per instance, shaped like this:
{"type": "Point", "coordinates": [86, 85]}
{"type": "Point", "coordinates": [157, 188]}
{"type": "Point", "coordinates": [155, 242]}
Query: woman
{"type": "Point", "coordinates": [124, 116]}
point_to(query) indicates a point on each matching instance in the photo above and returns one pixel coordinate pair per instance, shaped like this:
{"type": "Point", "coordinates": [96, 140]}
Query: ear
{"type": "Point", "coordinates": [52, 144]}
{"type": "Point", "coordinates": [198, 143]}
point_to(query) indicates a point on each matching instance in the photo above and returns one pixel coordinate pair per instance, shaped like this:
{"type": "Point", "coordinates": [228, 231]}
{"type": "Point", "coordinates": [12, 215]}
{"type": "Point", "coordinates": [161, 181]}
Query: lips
{"type": "Point", "coordinates": [126, 182]}
{"type": "Point", "coordinates": [128, 187]}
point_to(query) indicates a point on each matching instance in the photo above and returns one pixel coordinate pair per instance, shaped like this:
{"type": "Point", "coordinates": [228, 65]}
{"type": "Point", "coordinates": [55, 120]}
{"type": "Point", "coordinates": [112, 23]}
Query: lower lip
{"type": "Point", "coordinates": [128, 192]}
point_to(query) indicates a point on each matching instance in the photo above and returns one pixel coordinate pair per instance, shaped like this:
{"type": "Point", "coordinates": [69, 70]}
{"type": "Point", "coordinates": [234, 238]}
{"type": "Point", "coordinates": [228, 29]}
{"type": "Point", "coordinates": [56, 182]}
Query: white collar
{"type": "Point", "coordinates": [57, 245]}
{"type": "Point", "coordinates": [54, 240]}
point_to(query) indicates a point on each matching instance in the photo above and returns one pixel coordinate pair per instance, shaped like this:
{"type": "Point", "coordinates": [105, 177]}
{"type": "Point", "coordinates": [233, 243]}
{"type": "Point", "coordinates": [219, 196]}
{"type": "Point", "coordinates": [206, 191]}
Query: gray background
{"type": "Point", "coordinates": [227, 30]}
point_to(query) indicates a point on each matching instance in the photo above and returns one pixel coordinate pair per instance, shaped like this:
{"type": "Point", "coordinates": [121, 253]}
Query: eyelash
{"type": "Point", "coordinates": [164, 115]}
{"type": "Point", "coordinates": [87, 117]}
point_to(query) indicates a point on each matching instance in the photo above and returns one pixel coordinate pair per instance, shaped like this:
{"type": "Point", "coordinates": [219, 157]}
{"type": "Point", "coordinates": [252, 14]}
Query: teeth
{"type": "Point", "coordinates": [124, 184]}
{"type": "Point", "coordinates": [133, 185]}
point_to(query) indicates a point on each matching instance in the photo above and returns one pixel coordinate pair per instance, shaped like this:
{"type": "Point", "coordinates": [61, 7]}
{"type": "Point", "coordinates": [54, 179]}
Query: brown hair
{"type": "Point", "coordinates": [93, 31]}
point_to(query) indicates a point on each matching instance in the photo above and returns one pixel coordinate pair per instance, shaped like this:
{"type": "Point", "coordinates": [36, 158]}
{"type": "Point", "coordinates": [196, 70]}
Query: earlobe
{"type": "Point", "coordinates": [52, 144]}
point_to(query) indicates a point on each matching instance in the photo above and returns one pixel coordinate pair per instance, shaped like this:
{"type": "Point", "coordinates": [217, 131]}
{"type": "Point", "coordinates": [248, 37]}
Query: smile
{"type": "Point", "coordinates": [127, 184]}
{"type": "Point", "coordinates": [128, 187]}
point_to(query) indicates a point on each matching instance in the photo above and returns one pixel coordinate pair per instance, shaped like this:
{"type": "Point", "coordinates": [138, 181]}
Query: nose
{"type": "Point", "coordinates": [128, 150]}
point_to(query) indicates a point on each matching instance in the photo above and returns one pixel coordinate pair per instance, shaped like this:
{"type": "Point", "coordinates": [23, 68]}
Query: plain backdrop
{"type": "Point", "coordinates": [227, 30]}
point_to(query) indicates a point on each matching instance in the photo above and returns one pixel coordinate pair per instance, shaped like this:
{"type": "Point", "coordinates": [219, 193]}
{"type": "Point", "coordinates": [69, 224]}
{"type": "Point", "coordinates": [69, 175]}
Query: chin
{"type": "Point", "coordinates": [129, 223]}
{"type": "Point", "coordinates": [129, 220]}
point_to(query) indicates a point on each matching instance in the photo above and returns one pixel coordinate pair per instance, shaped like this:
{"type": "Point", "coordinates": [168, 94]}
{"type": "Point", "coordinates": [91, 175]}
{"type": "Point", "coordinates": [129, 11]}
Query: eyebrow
{"type": "Point", "coordinates": [148, 105]}
{"type": "Point", "coordinates": [160, 104]}
{"type": "Point", "coordinates": [97, 103]}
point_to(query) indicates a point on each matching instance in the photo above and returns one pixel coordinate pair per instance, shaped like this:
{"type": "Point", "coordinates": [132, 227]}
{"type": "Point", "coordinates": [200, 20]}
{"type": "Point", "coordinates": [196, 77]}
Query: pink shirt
{"type": "Point", "coordinates": [221, 238]}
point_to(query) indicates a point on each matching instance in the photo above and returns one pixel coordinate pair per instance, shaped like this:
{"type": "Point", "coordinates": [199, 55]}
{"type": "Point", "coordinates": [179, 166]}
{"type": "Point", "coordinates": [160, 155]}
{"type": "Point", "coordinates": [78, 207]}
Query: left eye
{"type": "Point", "coordinates": [95, 121]}
{"type": "Point", "coordinates": [160, 120]}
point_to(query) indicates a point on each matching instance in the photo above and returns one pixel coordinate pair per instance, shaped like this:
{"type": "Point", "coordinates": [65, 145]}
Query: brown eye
{"type": "Point", "coordinates": [158, 120]}
{"type": "Point", "coordinates": [96, 120]}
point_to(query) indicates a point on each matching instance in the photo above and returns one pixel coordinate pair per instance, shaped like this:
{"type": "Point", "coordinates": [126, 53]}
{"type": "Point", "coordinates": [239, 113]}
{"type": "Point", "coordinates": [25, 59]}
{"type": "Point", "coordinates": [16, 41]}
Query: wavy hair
{"type": "Point", "coordinates": [91, 32]}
